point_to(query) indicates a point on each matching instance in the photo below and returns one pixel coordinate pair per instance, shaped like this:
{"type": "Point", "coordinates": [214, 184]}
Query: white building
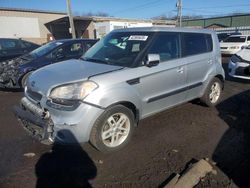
{"type": "Point", "coordinates": [102, 28]}
{"type": "Point", "coordinates": [97, 27]}
{"type": "Point", "coordinates": [27, 24]}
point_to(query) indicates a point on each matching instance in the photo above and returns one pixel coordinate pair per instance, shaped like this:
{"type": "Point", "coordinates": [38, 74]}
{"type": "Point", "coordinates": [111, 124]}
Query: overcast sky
{"type": "Point", "coordinates": [136, 8]}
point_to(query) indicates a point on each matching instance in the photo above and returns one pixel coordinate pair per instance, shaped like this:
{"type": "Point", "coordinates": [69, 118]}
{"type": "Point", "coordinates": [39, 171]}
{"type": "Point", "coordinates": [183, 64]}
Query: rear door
{"type": "Point", "coordinates": [197, 54]}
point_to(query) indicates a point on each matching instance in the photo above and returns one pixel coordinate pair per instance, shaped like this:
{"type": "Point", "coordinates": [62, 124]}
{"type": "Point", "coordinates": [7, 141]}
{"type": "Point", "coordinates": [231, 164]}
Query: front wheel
{"type": "Point", "coordinates": [113, 129]}
{"type": "Point", "coordinates": [212, 95]}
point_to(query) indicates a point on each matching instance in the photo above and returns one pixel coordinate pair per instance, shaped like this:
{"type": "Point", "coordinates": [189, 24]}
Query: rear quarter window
{"type": "Point", "coordinates": [196, 43]}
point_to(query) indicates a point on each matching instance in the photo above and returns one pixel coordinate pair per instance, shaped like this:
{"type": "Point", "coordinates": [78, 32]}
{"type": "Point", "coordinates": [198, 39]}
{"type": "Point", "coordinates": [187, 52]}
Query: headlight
{"type": "Point", "coordinates": [234, 47]}
{"type": "Point", "coordinates": [74, 91]}
{"type": "Point", "coordinates": [235, 59]}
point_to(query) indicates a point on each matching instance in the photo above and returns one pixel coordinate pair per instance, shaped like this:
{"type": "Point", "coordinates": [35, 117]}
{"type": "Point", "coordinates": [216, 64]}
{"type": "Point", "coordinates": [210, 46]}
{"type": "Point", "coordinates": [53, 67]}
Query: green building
{"type": "Point", "coordinates": [240, 20]}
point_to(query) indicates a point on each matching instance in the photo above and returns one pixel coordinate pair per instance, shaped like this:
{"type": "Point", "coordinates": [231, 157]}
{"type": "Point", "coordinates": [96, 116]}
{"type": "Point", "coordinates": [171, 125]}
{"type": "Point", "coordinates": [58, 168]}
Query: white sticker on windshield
{"type": "Point", "coordinates": [138, 37]}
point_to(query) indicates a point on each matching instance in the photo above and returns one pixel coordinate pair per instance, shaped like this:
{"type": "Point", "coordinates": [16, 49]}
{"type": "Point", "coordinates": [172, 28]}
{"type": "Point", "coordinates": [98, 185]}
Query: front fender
{"type": "Point", "coordinates": [105, 97]}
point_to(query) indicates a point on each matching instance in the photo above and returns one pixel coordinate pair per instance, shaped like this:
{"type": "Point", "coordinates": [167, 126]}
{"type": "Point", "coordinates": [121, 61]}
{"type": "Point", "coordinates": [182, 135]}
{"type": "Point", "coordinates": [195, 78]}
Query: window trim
{"type": "Point", "coordinates": [183, 46]}
{"type": "Point", "coordinates": [154, 38]}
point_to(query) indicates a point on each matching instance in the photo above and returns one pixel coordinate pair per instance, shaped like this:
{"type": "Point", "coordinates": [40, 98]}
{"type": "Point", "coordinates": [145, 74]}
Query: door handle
{"type": "Point", "coordinates": [180, 70]}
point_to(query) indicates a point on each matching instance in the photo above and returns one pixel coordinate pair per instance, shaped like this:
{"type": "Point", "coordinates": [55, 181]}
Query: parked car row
{"type": "Point", "coordinates": [13, 73]}
{"type": "Point", "coordinates": [130, 74]}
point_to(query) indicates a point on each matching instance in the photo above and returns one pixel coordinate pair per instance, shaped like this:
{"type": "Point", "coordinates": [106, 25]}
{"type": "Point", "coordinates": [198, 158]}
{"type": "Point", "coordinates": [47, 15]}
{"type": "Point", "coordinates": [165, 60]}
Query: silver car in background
{"type": "Point", "coordinates": [239, 64]}
{"type": "Point", "coordinates": [128, 75]}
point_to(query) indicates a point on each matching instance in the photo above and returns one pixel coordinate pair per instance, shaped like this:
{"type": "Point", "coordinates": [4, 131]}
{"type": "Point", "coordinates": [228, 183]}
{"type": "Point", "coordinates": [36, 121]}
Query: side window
{"type": "Point", "coordinates": [248, 38]}
{"type": "Point", "coordinates": [26, 44]}
{"type": "Point", "coordinates": [196, 43]}
{"type": "Point", "coordinates": [209, 42]}
{"type": "Point", "coordinates": [74, 51]}
{"type": "Point", "coordinates": [68, 51]}
{"type": "Point", "coordinates": [88, 45]}
{"type": "Point", "coordinates": [167, 46]}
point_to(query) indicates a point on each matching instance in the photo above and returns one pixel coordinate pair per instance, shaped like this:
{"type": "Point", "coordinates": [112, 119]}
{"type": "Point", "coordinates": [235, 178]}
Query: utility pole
{"type": "Point", "coordinates": [71, 22]}
{"type": "Point", "coordinates": [179, 12]}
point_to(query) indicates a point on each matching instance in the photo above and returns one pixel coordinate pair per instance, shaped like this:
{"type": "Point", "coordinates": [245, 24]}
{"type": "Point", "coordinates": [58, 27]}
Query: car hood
{"type": "Point", "coordinates": [244, 54]}
{"type": "Point", "coordinates": [70, 71]}
{"type": "Point", "coordinates": [229, 44]}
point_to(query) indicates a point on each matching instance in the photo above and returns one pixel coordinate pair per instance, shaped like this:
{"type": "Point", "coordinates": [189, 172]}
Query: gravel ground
{"type": "Point", "coordinates": [162, 145]}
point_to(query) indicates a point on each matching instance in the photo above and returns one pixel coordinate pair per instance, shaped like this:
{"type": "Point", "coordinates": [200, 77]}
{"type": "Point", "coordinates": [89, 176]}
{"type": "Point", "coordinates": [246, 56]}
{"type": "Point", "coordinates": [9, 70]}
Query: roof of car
{"type": "Point", "coordinates": [239, 35]}
{"type": "Point", "coordinates": [72, 40]}
{"type": "Point", "coordinates": [167, 29]}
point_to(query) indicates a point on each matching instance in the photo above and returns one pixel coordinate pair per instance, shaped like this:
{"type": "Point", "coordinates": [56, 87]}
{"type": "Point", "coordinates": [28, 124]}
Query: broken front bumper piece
{"type": "Point", "coordinates": [35, 120]}
{"type": "Point", "coordinates": [239, 70]}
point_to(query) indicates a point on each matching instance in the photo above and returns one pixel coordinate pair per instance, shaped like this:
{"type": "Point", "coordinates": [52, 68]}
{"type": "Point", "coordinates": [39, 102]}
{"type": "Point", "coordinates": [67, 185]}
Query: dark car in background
{"type": "Point", "coordinates": [12, 48]}
{"type": "Point", "coordinates": [13, 73]}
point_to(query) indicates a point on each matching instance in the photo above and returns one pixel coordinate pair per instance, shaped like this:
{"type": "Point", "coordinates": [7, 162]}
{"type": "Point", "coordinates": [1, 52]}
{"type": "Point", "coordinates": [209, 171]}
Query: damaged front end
{"type": "Point", "coordinates": [35, 120]}
{"type": "Point", "coordinates": [10, 73]}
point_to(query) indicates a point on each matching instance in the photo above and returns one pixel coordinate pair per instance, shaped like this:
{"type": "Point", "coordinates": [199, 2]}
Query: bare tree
{"type": "Point", "coordinates": [102, 14]}
{"type": "Point", "coordinates": [174, 17]}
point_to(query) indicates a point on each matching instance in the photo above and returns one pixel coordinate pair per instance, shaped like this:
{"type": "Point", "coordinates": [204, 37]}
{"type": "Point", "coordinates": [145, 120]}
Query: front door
{"type": "Point", "coordinates": [162, 86]}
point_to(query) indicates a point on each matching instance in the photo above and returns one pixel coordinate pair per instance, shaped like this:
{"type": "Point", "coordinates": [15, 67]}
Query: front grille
{"type": "Point", "coordinates": [224, 48]}
{"type": "Point", "coordinates": [34, 95]}
{"type": "Point", "coordinates": [242, 71]}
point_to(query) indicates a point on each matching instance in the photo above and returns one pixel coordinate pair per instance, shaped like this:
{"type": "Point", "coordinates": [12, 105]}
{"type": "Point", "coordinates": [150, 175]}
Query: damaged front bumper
{"type": "Point", "coordinates": [239, 70]}
{"type": "Point", "coordinates": [50, 124]}
{"type": "Point", "coordinates": [35, 120]}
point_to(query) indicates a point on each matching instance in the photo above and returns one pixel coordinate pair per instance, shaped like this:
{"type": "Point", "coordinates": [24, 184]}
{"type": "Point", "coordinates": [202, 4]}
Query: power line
{"type": "Point", "coordinates": [198, 10]}
{"type": "Point", "coordinates": [223, 6]}
{"type": "Point", "coordinates": [142, 6]}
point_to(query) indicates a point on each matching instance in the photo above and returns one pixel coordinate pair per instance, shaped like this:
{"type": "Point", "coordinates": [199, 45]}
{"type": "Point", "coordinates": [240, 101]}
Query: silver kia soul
{"type": "Point", "coordinates": [128, 75]}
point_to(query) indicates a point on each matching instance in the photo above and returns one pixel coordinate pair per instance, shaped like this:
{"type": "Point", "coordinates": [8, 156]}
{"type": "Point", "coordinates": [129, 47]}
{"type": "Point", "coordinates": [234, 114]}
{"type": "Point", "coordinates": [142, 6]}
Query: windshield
{"type": "Point", "coordinates": [235, 39]}
{"type": "Point", "coordinates": [118, 48]}
{"type": "Point", "coordinates": [45, 49]}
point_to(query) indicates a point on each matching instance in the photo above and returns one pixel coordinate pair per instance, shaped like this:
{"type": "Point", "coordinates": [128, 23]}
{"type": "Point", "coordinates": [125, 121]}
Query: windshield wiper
{"type": "Point", "coordinates": [94, 60]}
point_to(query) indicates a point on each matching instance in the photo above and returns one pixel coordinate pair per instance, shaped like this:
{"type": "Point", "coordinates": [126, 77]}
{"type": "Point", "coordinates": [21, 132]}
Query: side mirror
{"type": "Point", "coordinates": [152, 60]}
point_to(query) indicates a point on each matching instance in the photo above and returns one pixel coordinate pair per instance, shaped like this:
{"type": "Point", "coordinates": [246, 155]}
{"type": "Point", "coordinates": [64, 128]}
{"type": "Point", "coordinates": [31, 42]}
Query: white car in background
{"type": "Point", "coordinates": [234, 43]}
{"type": "Point", "coordinates": [239, 64]}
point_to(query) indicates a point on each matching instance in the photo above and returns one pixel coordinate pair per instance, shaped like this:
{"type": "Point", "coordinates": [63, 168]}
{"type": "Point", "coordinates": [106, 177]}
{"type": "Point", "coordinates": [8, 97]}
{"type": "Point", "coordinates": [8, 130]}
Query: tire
{"type": "Point", "coordinates": [24, 79]}
{"type": "Point", "coordinates": [213, 93]}
{"type": "Point", "coordinates": [115, 138]}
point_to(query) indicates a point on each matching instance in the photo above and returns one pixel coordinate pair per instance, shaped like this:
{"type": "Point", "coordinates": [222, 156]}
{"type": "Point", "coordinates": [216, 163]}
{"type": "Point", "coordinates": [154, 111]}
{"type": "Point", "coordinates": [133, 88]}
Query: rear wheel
{"type": "Point", "coordinates": [212, 95]}
{"type": "Point", "coordinates": [113, 129]}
